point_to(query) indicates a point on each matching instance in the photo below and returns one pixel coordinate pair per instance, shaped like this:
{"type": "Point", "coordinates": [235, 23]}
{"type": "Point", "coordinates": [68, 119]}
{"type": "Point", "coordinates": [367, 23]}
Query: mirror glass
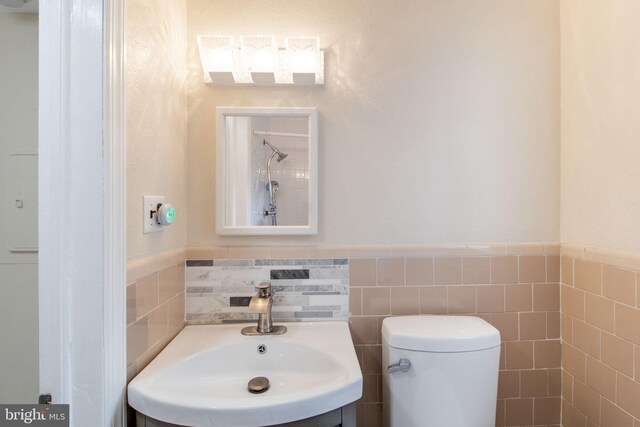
{"type": "Point", "coordinates": [266, 171]}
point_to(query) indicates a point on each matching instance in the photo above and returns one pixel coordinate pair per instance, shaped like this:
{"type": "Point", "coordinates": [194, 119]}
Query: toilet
{"type": "Point", "coordinates": [439, 371]}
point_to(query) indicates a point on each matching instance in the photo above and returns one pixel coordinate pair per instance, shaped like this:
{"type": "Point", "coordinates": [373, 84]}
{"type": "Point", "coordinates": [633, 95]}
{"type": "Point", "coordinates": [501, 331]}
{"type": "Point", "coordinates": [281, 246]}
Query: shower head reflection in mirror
{"type": "Point", "coordinates": [272, 186]}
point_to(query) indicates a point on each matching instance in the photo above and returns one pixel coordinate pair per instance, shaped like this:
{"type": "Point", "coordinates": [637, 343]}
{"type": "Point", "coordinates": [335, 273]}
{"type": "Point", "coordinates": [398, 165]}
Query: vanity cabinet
{"type": "Point", "coordinates": [341, 417]}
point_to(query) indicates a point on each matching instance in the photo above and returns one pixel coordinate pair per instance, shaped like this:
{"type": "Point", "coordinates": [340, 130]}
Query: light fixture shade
{"type": "Point", "coordinates": [303, 54]}
{"type": "Point", "coordinates": [216, 54]}
{"type": "Point", "coordinates": [259, 56]}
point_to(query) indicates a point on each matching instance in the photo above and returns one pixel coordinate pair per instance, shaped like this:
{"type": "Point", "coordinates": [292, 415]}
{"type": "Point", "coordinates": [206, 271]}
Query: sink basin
{"type": "Point", "coordinates": [200, 379]}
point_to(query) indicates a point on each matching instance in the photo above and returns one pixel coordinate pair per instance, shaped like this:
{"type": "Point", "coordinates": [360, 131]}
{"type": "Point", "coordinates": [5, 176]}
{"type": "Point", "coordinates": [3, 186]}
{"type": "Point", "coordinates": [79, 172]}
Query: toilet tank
{"type": "Point", "coordinates": [453, 378]}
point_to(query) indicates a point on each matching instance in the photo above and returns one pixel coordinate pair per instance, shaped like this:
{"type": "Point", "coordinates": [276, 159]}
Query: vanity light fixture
{"type": "Point", "coordinates": [258, 61]}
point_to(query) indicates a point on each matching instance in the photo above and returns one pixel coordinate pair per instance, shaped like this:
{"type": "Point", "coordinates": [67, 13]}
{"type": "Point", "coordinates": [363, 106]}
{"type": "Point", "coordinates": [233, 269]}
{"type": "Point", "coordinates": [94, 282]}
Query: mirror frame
{"type": "Point", "coordinates": [221, 172]}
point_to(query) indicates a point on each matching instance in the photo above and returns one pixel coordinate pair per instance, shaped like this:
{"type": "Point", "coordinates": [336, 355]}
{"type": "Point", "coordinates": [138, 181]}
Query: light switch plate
{"type": "Point", "coordinates": [150, 204]}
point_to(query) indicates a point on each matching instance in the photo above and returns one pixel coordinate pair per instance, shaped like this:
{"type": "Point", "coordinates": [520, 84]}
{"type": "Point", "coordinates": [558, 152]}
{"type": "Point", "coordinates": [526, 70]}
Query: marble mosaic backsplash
{"type": "Point", "coordinates": [218, 291]}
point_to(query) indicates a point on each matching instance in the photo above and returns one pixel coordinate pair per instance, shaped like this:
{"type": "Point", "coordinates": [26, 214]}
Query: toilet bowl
{"type": "Point", "coordinates": [439, 371]}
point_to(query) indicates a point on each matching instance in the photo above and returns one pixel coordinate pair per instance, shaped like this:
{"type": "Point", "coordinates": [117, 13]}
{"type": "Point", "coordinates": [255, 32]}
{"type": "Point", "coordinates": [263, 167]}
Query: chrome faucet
{"type": "Point", "coordinates": [261, 303]}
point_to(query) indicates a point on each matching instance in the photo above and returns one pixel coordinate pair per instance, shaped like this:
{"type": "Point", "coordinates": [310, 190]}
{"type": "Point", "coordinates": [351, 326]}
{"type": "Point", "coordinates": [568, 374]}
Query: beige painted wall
{"type": "Point", "coordinates": [156, 119]}
{"type": "Point", "coordinates": [18, 271]}
{"type": "Point", "coordinates": [439, 121]}
{"type": "Point", "coordinates": [601, 123]}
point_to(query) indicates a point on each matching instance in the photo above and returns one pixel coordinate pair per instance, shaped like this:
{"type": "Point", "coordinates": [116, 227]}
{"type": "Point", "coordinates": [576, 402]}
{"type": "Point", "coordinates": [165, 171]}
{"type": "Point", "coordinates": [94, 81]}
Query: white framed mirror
{"type": "Point", "coordinates": [266, 171]}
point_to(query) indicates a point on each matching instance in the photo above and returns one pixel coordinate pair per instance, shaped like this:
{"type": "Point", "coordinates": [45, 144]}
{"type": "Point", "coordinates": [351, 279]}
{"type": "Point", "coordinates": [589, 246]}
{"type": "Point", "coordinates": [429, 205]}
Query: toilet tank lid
{"type": "Point", "coordinates": [439, 334]}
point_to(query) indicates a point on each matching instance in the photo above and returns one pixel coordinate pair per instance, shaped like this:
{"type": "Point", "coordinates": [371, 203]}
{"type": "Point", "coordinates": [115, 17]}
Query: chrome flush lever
{"type": "Point", "coordinates": [403, 365]}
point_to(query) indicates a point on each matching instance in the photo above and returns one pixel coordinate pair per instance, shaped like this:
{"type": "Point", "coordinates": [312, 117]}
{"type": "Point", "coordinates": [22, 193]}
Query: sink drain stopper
{"type": "Point", "coordinates": [258, 385]}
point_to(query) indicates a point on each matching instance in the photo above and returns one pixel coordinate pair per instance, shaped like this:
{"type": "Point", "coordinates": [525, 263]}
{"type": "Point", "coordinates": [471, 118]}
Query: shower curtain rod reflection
{"type": "Point", "coordinates": [297, 135]}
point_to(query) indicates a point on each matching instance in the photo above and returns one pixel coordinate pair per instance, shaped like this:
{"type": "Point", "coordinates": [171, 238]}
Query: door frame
{"type": "Point", "coordinates": [82, 226]}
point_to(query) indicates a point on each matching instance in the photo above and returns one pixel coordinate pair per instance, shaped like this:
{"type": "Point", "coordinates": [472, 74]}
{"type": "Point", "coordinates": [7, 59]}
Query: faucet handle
{"type": "Point", "coordinates": [264, 289]}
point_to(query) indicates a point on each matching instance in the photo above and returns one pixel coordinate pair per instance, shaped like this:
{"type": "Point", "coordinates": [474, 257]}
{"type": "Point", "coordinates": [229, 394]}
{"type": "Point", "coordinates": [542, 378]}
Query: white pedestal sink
{"type": "Point", "coordinates": [200, 379]}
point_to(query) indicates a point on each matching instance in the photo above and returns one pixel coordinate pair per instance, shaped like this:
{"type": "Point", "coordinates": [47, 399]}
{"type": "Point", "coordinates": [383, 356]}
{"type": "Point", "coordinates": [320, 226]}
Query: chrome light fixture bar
{"type": "Point", "coordinates": [258, 61]}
